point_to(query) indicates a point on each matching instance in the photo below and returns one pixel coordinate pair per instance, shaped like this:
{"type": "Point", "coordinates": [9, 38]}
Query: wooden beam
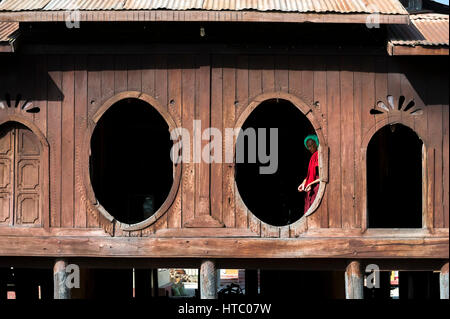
{"type": "Point", "coordinates": [129, 247]}
{"type": "Point", "coordinates": [417, 50]}
{"type": "Point", "coordinates": [60, 288]}
{"type": "Point", "coordinates": [201, 16]}
{"type": "Point", "coordinates": [208, 280]}
{"type": "Point", "coordinates": [444, 282]}
{"type": "Point", "coordinates": [354, 281]}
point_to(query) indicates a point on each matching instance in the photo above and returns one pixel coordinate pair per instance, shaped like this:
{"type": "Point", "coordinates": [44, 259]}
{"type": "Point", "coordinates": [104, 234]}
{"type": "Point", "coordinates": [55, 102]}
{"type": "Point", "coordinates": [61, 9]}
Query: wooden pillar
{"type": "Point", "coordinates": [60, 289]}
{"type": "Point", "coordinates": [354, 281]}
{"type": "Point", "coordinates": [154, 282]}
{"type": "Point", "coordinates": [208, 280]}
{"type": "Point", "coordinates": [444, 282]}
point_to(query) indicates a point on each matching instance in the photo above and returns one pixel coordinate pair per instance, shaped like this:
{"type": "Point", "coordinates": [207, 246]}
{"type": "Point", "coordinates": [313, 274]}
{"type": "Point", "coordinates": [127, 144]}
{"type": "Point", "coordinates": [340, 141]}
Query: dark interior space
{"type": "Point", "coordinates": [274, 198]}
{"type": "Point", "coordinates": [26, 284]}
{"type": "Point", "coordinates": [302, 284]}
{"type": "Point", "coordinates": [419, 285]}
{"type": "Point", "coordinates": [111, 284]}
{"type": "Point", "coordinates": [394, 178]}
{"type": "Point", "coordinates": [131, 170]}
{"type": "Point", "coordinates": [228, 33]}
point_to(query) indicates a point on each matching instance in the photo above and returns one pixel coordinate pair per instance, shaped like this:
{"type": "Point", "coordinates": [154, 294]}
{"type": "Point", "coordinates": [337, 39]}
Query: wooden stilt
{"type": "Point", "coordinates": [208, 280]}
{"type": "Point", "coordinates": [354, 281]}
{"type": "Point", "coordinates": [60, 289]}
{"type": "Point", "coordinates": [444, 282]}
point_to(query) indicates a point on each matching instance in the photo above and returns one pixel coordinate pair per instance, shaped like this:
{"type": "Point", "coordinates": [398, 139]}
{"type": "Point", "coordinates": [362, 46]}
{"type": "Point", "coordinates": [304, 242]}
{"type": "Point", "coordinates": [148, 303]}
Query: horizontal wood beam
{"type": "Point", "coordinates": [303, 264]}
{"type": "Point", "coordinates": [396, 50]}
{"type": "Point", "coordinates": [227, 232]}
{"type": "Point", "coordinates": [366, 247]}
{"type": "Point", "coordinates": [199, 16]}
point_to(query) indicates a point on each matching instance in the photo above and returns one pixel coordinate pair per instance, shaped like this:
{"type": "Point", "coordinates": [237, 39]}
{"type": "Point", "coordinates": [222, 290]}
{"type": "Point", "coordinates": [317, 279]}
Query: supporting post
{"type": "Point", "coordinates": [354, 281]}
{"type": "Point", "coordinates": [444, 282]}
{"type": "Point", "coordinates": [208, 280]}
{"type": "Point", "coordinates": [60, 289]}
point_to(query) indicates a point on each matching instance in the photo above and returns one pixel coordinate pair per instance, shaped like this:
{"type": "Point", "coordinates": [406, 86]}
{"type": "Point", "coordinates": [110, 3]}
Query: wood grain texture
{"type": "Point", "coordinates": [226, 247]}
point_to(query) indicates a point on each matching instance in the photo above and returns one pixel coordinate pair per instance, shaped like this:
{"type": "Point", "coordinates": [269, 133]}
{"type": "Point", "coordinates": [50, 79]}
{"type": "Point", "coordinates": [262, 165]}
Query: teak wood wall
{"type": "Point", "coordinates": [70, 89]}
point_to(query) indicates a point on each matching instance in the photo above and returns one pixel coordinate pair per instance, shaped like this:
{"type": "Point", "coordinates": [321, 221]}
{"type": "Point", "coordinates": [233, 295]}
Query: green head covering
{"type": "Point", "coordinates": [311, 137]}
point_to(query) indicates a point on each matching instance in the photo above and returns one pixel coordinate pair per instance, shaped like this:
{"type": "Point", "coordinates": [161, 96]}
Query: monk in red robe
{"type": "Point", "coordinates": [310, 185]}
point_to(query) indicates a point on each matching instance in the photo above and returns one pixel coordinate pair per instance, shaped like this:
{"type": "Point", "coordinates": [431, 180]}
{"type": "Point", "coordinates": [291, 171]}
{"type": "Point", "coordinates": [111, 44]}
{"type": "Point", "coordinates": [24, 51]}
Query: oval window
{"type": "Point", "coordinates": [130, 165]}
{"type": "Point", "coordinates": [272, 195]}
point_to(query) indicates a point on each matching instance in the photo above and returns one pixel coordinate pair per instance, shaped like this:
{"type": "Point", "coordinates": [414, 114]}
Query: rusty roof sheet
{"type": "Point", "coordinates": [8, 31]}
{"type": "Point", "coordinates": [425, 30]}
{"type": "Point", "coordinates": [301, 6]}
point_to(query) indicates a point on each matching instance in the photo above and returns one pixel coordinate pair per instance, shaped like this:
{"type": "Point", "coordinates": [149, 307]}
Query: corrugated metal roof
{"type": "Point", "coordinates": [424, 30]}
{"type": "Point", "coordinates": [8, 31]}
{"type": "Point", "coordinates": [301, 6]}
{"type": "Point", "coordinates": [23, 5]}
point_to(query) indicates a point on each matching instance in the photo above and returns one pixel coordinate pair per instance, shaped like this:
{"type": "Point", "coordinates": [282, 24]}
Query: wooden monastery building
{"type": "Point", "coordinates": [90, 92]}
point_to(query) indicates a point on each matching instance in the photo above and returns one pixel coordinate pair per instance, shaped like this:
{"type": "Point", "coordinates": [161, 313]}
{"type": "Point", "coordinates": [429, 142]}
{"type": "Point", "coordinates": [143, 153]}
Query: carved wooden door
{"type": "Point", "coordinates": [20, 176]}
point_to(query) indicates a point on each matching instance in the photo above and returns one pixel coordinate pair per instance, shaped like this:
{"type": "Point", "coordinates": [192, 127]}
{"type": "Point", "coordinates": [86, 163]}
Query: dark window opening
{"type": "Point", "coordinates": [394, 178]}
{"type": "Point", "coordinates": [131, 169]}
{"type": "Point", "coordinates": [274, 198]}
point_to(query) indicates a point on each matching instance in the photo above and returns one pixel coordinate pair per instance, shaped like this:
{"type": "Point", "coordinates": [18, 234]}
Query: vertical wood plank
{"type": "Point", "coordinates": [120, 74]}
{"type": "Point", "coordinates": [188, 105]}
{"type": "Point", "coordinates": [435, 137]}
{"type": "Point", "coordinates": [54, 137]}
{"type": "Point", "coordinates": [255, 76]}
{"type": "Point", "coordinates": [148, 75]}
{"type": "Point", "coordinates": [357, 118]}
{"type": "Point", "coordinates": [161, 79]}
{"type": "Point", "coordinates": [107, 77]}
{"type": "Point", "coordinates": [347, 143]}
{"type": "Point", "coordinates": [134, 71]}
{"type": "Point", "coordinates": [174, 89]}
{"type": "Point", "coordinates": [95, 66]}
{"type": "Point", "coordinates": [80, 128]}
{"type": "Point", "coordinates": [445, 161]}
{"type": "Point", "coordinates": [281, 73]}
{"type": "Point", "coordinates": [67, 145]}
{"type": "Point", "coordinates": [254, 88]}
{"type": "Point", "coordinates": [217, 122]}
{"type": "Point", "coordinates": [229, 97]}
{"type": "Point", "coordinates": [308, 78]}
{"type": "Point", "coordinates": [203, 113]}
{"type": "Point", "coordinates": [367, 122]}
{"type": "Point", "coordinates": [268, 73]}
{"type": "Point", "coordinates": [242, 102]}
{"type": "Point", "coordinates": [242, 78]}
{"type": "Point", "coordinates": [295, 74]}
{"type": "Point", "coordinates": [334, 129]}
{"type": "Point", "coordinates": [41, 81]}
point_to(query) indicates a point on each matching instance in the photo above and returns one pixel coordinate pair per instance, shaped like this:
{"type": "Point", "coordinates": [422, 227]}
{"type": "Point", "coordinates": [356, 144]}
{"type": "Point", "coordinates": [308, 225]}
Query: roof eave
{"type": "Point", "coordinates": [418, 50]}
{"type": "Point", "coordinates": [203, 16]}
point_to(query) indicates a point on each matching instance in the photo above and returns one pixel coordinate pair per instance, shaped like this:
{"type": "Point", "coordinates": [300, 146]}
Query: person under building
{"type": "Point", "coordinates": [310, 184]}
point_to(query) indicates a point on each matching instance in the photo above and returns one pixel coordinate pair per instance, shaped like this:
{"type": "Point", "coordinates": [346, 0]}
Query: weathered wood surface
{"type": "Point", "coordinates": [199, 16]}
{"type": "Point", "coordinates": [208, 280]}
{"type": "Point", "coordinates": [70, 89]}
{"type": "Point", "coordinates": [60, 288]}
{"type": "Point", "coordinates": [354, 281]}
{"type": "Point", "coordinates": [444, 287]}
{"type": "Point", "coordinates": [368, 247]}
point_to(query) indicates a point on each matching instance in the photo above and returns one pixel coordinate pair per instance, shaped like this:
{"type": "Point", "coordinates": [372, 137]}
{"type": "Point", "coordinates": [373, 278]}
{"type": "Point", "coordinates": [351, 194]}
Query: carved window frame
{"type": "Point", "coordinates": [313, 115]}
{"type": "Point", "coordinates": [94, 207]}
{"type": "Point", "coordinates": [407, 115]}
{"type": "Point", "coordinates": [44, 209]}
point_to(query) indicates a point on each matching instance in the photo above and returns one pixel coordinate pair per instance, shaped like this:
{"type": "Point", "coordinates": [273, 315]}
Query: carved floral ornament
{"type": "Point", "coordinates": [26, 106]}
{"type": "Point", "coordinates": [400, 107]}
